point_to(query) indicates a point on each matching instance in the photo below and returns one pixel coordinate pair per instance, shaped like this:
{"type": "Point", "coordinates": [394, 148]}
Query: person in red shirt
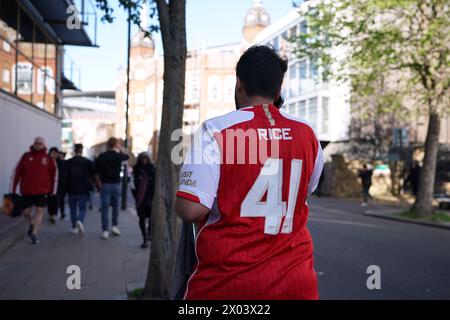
{"type": "Point", "coordinates": [38, 177]}
{"type": "Point", "coordinates": [245, 181]}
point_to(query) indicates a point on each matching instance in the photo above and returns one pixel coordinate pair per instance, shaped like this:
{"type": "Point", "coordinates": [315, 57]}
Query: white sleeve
{"type": "Point", "coordinates": [200, 173]}
{"type": "Point", "coordinates": [318, 167]}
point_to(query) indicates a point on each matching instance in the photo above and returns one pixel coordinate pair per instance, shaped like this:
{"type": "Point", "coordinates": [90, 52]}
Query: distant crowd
{"type": "Point", "coordinates": [47, 179]}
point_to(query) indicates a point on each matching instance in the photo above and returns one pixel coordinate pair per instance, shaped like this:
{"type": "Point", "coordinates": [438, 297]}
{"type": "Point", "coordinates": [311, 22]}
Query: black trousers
{"type": "Point", "coordinates": [145, 221]}
{"type": "Point", "coordinates": [56, 202]}
{"type": "Point", "coordinates": [366, 193]}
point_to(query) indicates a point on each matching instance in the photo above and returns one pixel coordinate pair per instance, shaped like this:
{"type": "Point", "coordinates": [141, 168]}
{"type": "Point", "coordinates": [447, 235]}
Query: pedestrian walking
{"type": "Point", "coordinates": [107, 176]}
{"type": "Point", "coordinates": [37, 174]}
{"type": "Point", "coordinates": [366, 181]}
{"type": "Point", "coordinates": [56, 201]}
{"type": "Point", "coordinates": [61, 193]}
{"type": "Point", "coordinates": [52, 202]}
{"type": "Point", "coordinates": [80, 175]}
{"type": "Point", "coordinates": [144, 188]}
{"type": "Point", "coordinates": [413, 177]}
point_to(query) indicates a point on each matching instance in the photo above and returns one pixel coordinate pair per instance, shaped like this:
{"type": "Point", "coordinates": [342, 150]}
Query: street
{"type": "Point", "coordinates": [414, 260]}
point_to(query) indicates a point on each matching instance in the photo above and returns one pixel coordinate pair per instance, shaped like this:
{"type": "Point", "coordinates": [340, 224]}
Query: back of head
{"type": "Point", "coordinates": [78, 148]}
{"type": "Point", "coordinates": [261, 71]}
{"type": "Point", "coordinates": [143, 159]}
{"type": "Point", "coordinates": [112, 143]}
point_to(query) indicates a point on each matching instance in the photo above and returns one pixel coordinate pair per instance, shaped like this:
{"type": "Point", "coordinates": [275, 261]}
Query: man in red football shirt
{"type": "Point", "coordinates": [245, 180]}
{"type": "Point", "coordinates": [37, 174]}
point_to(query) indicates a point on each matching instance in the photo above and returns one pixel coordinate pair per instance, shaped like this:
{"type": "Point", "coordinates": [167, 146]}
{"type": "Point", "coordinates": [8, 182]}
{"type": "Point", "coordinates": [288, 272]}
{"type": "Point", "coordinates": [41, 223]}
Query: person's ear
{"type": "Point", "coordinates": [238, 84]}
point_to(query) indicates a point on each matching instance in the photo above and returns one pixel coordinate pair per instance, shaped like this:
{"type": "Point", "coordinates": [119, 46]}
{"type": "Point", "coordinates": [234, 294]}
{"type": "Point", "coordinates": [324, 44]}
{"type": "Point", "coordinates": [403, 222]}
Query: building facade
{"type": "Point", "coordinates": [32, 38]}
{"type": "Point", "coordinates": [89, 118]}
{"type": "Point", "coordinates": [209, 91]}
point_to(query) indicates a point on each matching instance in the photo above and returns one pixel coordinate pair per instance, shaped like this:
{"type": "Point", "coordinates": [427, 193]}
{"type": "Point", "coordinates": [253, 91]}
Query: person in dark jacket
{"type": "Point", "coordinates": [366, 181]}
{"type": "Point", "coordinates": [144, 183]}
{"type": "Point", "coordinates": [57, 201]}
{"type": "Point", "coordinates": [38, 177]}
{"type": "Point", "coordinates": [107, 177]}
{"type": "Point", "coordinates": [61, 193]}
{"type": "Point", "coordinates": [413, 177]}
{"type": "Point", "coordinates": [80, 175]}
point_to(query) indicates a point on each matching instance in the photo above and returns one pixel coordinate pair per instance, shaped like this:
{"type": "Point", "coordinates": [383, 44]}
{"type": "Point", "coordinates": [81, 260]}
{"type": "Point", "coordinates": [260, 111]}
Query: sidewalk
{"type": "Point", "coordinates": [108, 267]}
{"type": "Point", "coordinates": [378, 209]}
{"type": "Point", "coordinates": [394, 214]}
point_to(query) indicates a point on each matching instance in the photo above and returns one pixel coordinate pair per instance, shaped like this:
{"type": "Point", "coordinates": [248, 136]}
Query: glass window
{"type": "Point", "coordinates": [313, 70]}
{"type": "Point", "coordinates": [325, 128]}
{"type": "Point", "coordinates": [293, 32]}
{"type": "Point", "coordinates": [303, 70]}
{"type": "Point", "coordinates": [302, 109]}
{"type": "Point", "coordinates": [303, 76]}
{"type": "Point", "coordinates": [276, 43]}
{"type": "Point", "coordinates": [293, 71]}
{"type": "Point", "coordinates": [313, 112]}
{"type": "Point", "coordinates": [24, 72]}
{"type": "Point", "coordinates": [45, 83]}
{"type": "Point", "coordinates": [294, 81]}
{"type": "Point", "coordinates": [214, 85]}
{"type": "Point", "coordinates": [229, 85]}
{"type": "Point", "coordinates": [303, 27]}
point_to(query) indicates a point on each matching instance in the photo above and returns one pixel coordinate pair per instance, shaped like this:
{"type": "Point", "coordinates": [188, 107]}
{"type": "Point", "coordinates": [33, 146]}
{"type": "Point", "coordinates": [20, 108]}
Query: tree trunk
{"type": "Point", "coordinates": [424, 201]}
{"type": "Point", "coordinates": [165, 223]}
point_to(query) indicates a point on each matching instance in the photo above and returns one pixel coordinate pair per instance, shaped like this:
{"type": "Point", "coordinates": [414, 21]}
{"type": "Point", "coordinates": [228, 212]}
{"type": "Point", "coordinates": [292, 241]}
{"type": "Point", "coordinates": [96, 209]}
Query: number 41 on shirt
{"type": "Point", "coordinates": [273, 209]}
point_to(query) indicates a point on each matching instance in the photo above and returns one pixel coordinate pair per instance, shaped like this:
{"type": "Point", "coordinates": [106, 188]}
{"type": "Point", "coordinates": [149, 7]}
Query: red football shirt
{"type": "Point", "coordinates": [254, 169]}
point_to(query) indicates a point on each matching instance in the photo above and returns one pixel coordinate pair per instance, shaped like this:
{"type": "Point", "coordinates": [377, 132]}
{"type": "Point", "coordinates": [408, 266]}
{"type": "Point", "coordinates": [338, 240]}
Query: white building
{"type": "Point", "coordinates": [323, 104]}
{"type": "Point", "coordinates": [89, 118]}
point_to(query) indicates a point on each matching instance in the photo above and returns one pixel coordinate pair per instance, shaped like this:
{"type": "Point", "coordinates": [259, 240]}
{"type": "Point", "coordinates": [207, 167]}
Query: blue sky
{"type": "Point", "coordinates": [212, 22]}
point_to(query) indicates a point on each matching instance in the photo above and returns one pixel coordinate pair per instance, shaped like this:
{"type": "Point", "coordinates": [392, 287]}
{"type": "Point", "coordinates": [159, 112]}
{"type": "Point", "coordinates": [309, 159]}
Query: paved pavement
{"type": "Point", "coordinates": [107, 266]}
{"type": "Point", "coordinates": [414, 259]}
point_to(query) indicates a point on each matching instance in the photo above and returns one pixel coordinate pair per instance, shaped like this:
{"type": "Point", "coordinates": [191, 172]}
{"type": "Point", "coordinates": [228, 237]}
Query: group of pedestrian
{"type": "Point", "coordinates": [46, 178]}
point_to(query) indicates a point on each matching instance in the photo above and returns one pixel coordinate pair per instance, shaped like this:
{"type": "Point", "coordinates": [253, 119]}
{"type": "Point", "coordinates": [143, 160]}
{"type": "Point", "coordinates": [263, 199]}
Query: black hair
{"type": "Point", "coordinates": [78, 148]}
{"type": "Point", "coordinates": [53, 149]}
{"type": "Point", "coordinates": [261, 71]}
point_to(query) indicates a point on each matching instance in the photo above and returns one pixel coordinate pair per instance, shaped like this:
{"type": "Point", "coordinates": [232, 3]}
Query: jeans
{"type": "Point", "coordinates": [110, 194]}
{"type": "Point", "coordinates": [77, 202]}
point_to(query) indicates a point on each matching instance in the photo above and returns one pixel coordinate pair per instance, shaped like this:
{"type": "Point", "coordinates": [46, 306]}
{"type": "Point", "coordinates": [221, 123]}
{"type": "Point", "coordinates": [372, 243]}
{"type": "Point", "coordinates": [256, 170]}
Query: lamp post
{"type": "Point", "coordinates": [125, 166]}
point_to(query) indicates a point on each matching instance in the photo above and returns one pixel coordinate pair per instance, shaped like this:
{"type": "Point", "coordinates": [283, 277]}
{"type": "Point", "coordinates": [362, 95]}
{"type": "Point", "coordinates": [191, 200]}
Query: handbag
{"type": "Point", "coordinates": [12, 205]}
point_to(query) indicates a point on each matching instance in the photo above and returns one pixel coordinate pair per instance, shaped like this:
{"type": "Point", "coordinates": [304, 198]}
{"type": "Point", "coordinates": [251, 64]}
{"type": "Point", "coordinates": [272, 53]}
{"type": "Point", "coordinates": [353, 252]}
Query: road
{"type": "Point", "coordinates": [414, 260]}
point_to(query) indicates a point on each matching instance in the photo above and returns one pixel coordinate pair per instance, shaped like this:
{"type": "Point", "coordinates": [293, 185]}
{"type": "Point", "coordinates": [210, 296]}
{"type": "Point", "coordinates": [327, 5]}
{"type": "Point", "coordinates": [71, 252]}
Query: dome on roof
{"type": "Point", "coordinates": [257, 15]}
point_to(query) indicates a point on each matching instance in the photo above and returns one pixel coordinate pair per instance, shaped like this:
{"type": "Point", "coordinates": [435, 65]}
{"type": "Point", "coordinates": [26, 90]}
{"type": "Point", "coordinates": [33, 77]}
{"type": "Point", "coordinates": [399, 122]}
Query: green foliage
{"type": "Point", "coordinates": [435, 217]}
{"type": "Point", "coordinates": [134, 8]}
{"type": "Point", "coordinates": [385, 49]}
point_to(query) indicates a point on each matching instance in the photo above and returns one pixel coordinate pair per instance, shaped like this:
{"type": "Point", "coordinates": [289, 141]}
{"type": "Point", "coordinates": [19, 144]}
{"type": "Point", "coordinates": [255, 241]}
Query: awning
{"type": "Point", "coordinates": [54, 13]}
